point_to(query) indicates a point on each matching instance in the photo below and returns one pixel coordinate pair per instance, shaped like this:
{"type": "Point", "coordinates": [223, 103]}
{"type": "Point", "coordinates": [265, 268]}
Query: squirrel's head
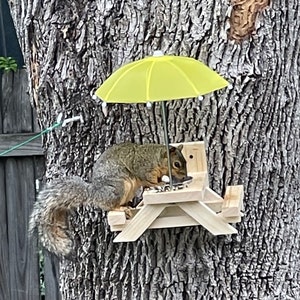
{"type": "Point", "coordinates": [178, 162]}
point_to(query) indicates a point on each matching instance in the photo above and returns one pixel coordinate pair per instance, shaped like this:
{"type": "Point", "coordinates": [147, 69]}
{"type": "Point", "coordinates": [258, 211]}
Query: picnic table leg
{"type": "Point", "coordinates": [207, 218]}
{"type": "Point", "coordinates": [139, 223]}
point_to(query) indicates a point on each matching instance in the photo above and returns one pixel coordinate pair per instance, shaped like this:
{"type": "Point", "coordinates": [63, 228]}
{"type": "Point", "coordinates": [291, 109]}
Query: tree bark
{"type": "Point", "coordinates": [251, 131]}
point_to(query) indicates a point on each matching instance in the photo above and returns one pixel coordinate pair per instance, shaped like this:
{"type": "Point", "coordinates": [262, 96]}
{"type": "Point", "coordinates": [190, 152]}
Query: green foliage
{"type": "Point", "coordinates": [8, 64]}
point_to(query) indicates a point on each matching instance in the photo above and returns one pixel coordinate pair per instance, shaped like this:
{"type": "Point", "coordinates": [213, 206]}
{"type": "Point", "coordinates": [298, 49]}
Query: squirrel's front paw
{"type": "Point", "coordinates": [127, 210]}
{"type": "Point", "coordinates": [161, 183]}
{"type": "Point", "coordinates": [128, 213]}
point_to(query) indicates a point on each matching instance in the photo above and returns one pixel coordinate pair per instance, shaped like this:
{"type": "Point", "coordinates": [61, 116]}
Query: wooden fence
{"type": "Point", "coordinates": [19, 171]}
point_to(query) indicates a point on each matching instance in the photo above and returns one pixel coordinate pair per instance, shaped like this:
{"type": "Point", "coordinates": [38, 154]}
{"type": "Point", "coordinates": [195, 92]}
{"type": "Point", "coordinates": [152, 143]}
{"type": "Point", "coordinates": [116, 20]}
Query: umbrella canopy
{"type": "Point", "coordinates": [159, 78]}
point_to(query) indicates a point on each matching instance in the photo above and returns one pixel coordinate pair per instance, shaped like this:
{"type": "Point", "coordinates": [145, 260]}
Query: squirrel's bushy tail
{"type": "Point", "coordinates": [51, 210]}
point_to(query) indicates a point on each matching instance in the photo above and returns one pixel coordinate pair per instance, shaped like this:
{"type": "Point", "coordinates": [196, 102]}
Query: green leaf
{"type": "Point", "coordinates": [8, 64]}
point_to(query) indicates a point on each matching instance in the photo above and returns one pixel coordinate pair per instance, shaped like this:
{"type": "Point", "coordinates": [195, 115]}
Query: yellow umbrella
{"type": "Point", "coordinates": [160, 78]}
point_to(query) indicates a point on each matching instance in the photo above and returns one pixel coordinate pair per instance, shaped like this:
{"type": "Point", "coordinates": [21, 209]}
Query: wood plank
{"type": "Point", "coordinates": [173, 196]}
{"type": "Point", "coordinates": [194, 192]}
{"type": "Point", "coordinates": [171, 216]}
{"type": "Point", "coordinates": [16, 107]}
{"type": "Point", "coordinates": [10, 140]}
{"type": "Point", "coordinates": [233, 220]}
{"type": "Point", "coordinates": [139, 223]}
{"type": "Point", "coordinates": [119, 227]}
{"type": "Point", "coordinates": [194, 153]}
{"type": "Point", "coordinates": [35, 125]}
{"type": "Point", "coordinates": [200, 180]}
{"type": "Point", "coordinates": [177, 211]}
{"type": "Point", "coordinates": [169, 211]}
{"type": "Point", "coordinates": [212, 199]}
{"type": "Point", "coordinates": [207, 218]}
{"type": "Point", "coordinates": [116, 217]}
{"type": "Point", "coordinates": [164, 222]}
{"type": "Point", "coordinates": [175, 221]}
{"type": "Point", "coordinates": [17, 116]}
{"type": "Point", "coordinates": [172, 210]}
{"type": "Point", "coordinates": [23, 260]}
{"type": "Point", "coordinates": [1, 121]}
{"type": "Point", "coordinates": [233, 201]}
{"type": "Point", "coordinates": [4, 250]}
{"type": "Point", "coordinates": [23, 253]}
{"type": "Point", "coordinates": [51, 271]}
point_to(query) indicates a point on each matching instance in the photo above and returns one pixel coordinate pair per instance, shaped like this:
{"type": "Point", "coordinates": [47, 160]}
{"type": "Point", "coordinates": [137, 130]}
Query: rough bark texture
{"type": "Point", "coordinates": [251, 131]}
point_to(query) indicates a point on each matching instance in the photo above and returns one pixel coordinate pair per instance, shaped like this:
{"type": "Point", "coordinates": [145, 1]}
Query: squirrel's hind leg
{"type": "Point", "coordinates": [114, 195]}
{"type": "Point", "coordinates": [126, 209]}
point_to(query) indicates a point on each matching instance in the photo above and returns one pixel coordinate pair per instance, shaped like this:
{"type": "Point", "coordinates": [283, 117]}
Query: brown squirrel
{"type": "Point", "coordinates": [117, 175]}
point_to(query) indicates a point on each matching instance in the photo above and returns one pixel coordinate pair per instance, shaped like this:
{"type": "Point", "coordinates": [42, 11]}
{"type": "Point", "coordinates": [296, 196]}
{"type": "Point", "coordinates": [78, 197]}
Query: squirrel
{"type": "Point", "coordinates": [117, 175]}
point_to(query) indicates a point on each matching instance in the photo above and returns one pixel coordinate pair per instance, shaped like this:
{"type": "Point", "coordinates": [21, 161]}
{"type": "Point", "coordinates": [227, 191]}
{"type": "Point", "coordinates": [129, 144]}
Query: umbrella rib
{"type": "Point", "coordinates": [120, 77]}
{"type": "Point", "coordinates": [148, 82]}
{"type": "Point", "coordinates": [185, 76]}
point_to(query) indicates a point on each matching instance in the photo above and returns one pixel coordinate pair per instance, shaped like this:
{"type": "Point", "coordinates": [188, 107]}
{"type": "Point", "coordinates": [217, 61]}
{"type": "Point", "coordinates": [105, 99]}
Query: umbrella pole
{"type": "Point", "coordinates": [164, 117]}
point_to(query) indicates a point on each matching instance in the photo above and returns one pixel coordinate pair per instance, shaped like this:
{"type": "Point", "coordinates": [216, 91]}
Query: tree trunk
{"type": "Point", "coordinates": [251, 132]}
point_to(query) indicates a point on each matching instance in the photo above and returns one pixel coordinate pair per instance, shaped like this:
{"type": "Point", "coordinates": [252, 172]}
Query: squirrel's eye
{"type": "Point", "coordinates": [177, 164]}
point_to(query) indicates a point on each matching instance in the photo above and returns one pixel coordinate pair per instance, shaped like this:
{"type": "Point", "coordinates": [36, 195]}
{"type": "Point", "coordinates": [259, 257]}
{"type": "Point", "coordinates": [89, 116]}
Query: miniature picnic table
{"type": "Point", "coordinates": [195, 205]}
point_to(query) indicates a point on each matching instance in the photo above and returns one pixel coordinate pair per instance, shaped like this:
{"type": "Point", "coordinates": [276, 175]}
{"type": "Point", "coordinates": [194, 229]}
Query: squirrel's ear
{"type": "Point", "coordinates": [173, 149]}
{"type": "Point", "coordinates": [180, 147]}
